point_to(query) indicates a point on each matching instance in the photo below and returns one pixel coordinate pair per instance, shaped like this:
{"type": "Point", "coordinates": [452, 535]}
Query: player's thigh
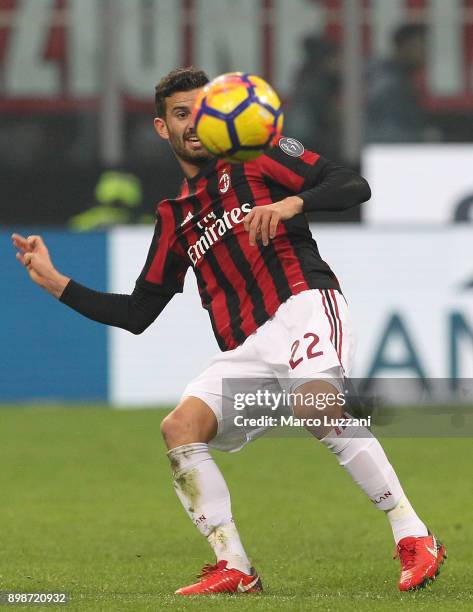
{"type": "Point", "coordinates": [228, 377]}
{"type": "Point", "coordinates": [191, 421]}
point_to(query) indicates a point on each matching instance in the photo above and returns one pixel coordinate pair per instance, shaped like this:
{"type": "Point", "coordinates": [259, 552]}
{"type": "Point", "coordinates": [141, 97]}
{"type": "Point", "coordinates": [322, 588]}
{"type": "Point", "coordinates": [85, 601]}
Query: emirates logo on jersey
{"type": "Point", "coordinates": [214, 231]}
{"type": "Point", "coordinates": [224, 181]}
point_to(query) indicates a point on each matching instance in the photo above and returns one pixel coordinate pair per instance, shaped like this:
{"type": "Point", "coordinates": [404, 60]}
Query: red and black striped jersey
{"type": "Point", "coordinates": [241, 286]}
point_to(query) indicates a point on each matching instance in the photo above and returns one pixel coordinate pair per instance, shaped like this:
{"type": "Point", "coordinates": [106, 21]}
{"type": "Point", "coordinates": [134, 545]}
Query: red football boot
{"type": "Point", "coordinates": [219, 578]}
{"type": "Point", "coordinates": [420, 559]}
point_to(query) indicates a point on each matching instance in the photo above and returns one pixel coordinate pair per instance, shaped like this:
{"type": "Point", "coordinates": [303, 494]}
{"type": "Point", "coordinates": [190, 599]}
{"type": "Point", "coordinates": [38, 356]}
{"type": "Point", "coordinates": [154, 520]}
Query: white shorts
{"type": "Point", "coordinates": [308, 338]}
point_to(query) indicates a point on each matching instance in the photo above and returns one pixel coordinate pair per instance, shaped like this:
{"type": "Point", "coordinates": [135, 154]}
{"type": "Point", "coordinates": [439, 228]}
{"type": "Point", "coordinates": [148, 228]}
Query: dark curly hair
{"type": "Point", "coordinates": [179, 79]}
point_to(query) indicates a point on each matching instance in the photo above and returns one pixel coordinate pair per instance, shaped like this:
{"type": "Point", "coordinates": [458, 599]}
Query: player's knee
{"type": "Point", "coordinates": [192, 421]}
{"type": "Point", "coordinates": [177, 428]}
{"type": "Point", "coordinates": [170, 426]}
{"type": "Point", "coordinates": [319, 399]}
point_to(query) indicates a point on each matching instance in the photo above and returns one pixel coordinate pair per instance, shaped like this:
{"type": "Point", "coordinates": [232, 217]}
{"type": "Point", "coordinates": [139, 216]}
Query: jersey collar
{"type": "Point", "coordinates": [204, 171]}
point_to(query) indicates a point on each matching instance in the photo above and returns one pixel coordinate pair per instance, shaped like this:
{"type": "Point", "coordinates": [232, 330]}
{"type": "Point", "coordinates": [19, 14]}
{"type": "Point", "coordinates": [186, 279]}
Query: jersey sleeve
{"type": "Point", "coordinates": [165, 267]}
{"type": "Point", "coordinates": [134, 312]}
{"type": "Point", "coordinates": [290, 164]}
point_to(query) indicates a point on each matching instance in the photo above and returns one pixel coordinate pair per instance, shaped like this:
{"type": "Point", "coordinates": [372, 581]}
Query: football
{"type": "Point", "coordinates": [237, 115]}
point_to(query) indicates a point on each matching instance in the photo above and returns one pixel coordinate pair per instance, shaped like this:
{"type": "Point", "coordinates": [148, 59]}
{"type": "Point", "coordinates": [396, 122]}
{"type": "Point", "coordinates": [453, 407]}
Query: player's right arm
{"type": "Point", "coordinates": [34, 256]}
{"type": "Point", "coordinates": [133, 312]}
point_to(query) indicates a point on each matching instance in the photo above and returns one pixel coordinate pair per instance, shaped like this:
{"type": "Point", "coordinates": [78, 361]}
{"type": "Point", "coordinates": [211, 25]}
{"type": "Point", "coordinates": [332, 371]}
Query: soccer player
{"type": "Point", "coordinates": [276, 310]}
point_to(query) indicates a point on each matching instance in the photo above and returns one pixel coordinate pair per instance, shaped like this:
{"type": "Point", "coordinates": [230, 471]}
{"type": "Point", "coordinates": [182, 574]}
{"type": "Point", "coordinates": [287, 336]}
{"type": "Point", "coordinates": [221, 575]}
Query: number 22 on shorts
{"type": "Point", "coordinates": [310, 352]}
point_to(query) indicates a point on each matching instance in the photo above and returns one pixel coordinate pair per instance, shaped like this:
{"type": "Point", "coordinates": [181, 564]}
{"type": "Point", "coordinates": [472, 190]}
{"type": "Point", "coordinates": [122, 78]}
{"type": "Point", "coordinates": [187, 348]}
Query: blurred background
{"type": "Point", "coordinates": [383, 86]}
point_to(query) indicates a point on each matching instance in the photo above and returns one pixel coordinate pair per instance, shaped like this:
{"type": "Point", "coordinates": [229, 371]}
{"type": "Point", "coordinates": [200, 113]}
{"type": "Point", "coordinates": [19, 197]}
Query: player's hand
{"type": "Point", "coordinates": [34, 256]}
{"type": "Point", "coordinates": [262, 221]}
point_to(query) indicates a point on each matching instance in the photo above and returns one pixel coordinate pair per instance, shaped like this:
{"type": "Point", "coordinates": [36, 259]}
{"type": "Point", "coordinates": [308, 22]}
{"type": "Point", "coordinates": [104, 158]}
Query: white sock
{"type": "Point", "coordinates": [363, 457]}
{"type": "Point", "coordinates": [204, 494]}
{"type": "Point", "coordinates": [405, 522]}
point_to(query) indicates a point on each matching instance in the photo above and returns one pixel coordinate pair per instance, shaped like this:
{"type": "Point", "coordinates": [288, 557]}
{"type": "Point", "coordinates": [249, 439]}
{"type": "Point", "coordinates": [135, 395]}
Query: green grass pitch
{"type": "Point", "coordinates": [87, 507]}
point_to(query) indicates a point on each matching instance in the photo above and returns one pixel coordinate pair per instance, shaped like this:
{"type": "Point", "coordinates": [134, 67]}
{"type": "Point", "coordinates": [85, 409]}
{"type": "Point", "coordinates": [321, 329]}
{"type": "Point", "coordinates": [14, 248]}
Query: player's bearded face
{"type": "Point", "coordinates": [182, 136]}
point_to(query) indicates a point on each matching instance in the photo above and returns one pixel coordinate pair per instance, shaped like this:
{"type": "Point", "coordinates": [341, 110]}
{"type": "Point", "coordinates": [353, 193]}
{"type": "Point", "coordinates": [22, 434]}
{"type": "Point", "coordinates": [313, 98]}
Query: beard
{"type": "Point", "coordinates": [178, 144]}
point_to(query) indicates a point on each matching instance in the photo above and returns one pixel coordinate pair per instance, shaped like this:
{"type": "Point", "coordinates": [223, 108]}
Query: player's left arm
{"type": "Point", "coordinates": [318, 185]}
